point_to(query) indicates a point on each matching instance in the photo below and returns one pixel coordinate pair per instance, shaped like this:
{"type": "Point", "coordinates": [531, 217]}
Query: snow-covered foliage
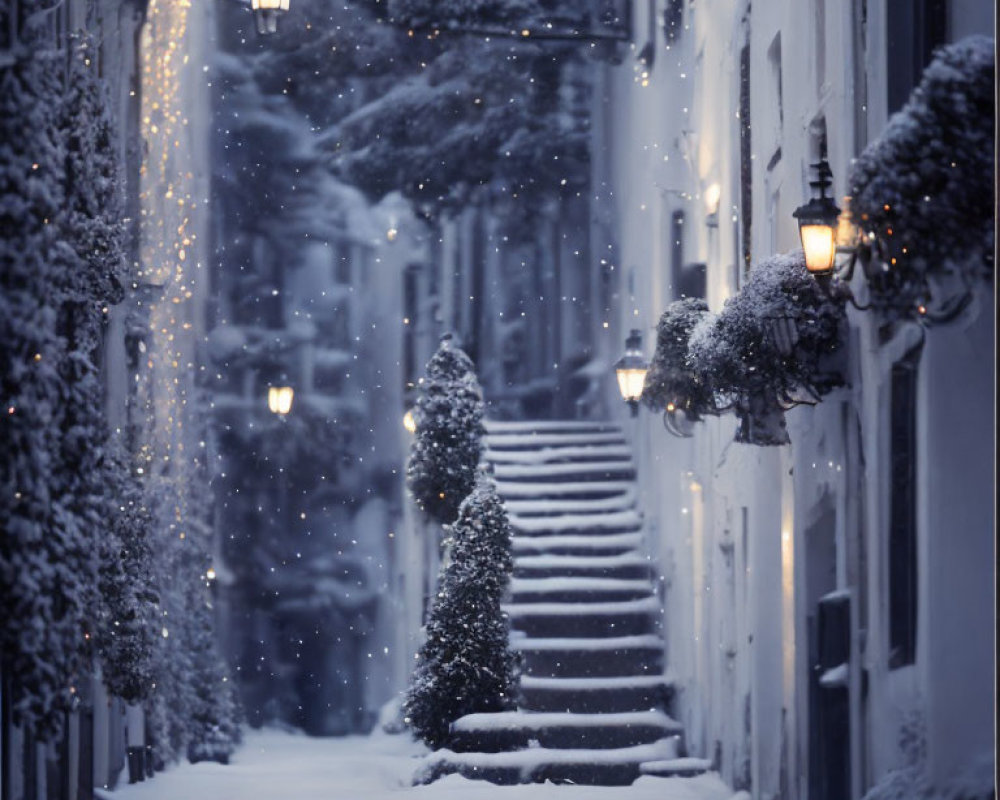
{"type": "Point", "coordinates": [128, 606]}
{"type": "Point", "coordinates": [671, 382]}
{"type": "Point", "coordinates": [444, 456]}
{"type": "Point", "coordinates": [443, 119]}
{"type": "Point", "coordinates": [924, 190]}
{"type": "Point", "coordinates": [194, 709]}
{"type": "Point", "coordinates": [772, 342]}
{"type": "Point", "coordinates": [420, 14]}
{"type": "Point", "coordinates": [465, 665]}
{"type": "Point", "coordinates": [476, 123]}
{"type": "Point", "coordinates": [54, 260]}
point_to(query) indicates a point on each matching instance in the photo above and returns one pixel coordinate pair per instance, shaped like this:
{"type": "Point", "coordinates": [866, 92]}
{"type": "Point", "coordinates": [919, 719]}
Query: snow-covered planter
{"type": "Point", "coordinates": [465, 665]}
{"type": "Point", "coordinates": [673, 386]}
{"type": "Point", "coordinates": [923, 192]}
{"type": "Point", "coordinates": [441, 470]}
{"type": "Point", "coordinates": [771, 347]}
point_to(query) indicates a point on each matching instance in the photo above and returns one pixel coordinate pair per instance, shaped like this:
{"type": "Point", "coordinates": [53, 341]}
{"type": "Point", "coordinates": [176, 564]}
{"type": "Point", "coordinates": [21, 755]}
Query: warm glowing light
{"type": "Point", "coordinates": [818, 223]}
{"type": "Point", "coordinates": [631, 369]}
{"type": "Point", "coordinates": [713, 194]}
{"type": "Point", "coordinates": [391, 234]}
{"type": "Point", "coordinates": [279, 399]}
{"type": "Point", "coordinates": [820, 246]}
{"type": "Point", "coordinates": [210, 574]}
{"type": "Point", "coordinates": [409, 421]}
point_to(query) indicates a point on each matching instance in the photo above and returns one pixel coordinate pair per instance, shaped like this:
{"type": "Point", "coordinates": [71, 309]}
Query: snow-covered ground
{"type": "Point", "coordinates": [288, 766]}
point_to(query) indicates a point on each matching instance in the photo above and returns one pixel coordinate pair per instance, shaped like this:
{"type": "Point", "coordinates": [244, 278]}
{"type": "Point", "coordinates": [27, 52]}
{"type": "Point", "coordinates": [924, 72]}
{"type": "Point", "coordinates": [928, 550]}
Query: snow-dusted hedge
{"type": "Point", "coordinates": [441, 469]}
{"type": "Point", "coordinates": [771, 344]}
{"type": "Point", "coordinates": [672, 383]}
{"type": "Point", "coordinates": [465, 665]}
{"type": "Point", "coordinates": [925, 188]}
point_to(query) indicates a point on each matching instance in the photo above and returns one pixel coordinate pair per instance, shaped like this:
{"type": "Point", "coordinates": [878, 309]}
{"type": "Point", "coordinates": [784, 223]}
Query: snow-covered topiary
{"type": "Point", "coordinates": [465, 665]}
{"type": "Point", "coordinates": [924, 190]}
{"type": "Point", "coordinates": [444, 456]}
{"type": "Point", "coordinates": [672, 384]}
{"type": "Point", "coordinates": [771, 343]}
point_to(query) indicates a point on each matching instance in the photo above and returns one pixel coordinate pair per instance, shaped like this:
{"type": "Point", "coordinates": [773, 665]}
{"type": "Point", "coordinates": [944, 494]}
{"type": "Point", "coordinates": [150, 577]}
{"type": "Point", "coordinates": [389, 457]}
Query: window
{"type": "Point", "coordinates": [411, 311]}
{"type": "Point", "coordinates": [676, 250]}
{"type": "Point", "coordinates": [918, 27]}
{"type": "Point", "coordinates": [902, 512]}
{"type": "Point", "coordinates": [746, 156]}
{"type": "Point", "coordinates": [673, 20]}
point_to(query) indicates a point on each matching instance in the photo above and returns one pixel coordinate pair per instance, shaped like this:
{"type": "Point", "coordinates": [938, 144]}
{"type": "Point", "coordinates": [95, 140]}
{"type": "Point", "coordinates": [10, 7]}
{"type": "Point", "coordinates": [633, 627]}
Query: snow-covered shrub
{"type": "Point", "coordinates": [672, 385]}
{"type": "Point", "coordinates": [93, 222]}
{"type": "Point", "coordinates": [126, 624]}
{"type": "Point", "coordinates": [45, 557]}
{"type": "Point", "coordinates": [925, 188]}
{"type": "Point", "coordinates": [444, 455]}
{"type": "Point", "coordinates": [465, 665]}
{"type": "Point", "coordinates": [771, 343]}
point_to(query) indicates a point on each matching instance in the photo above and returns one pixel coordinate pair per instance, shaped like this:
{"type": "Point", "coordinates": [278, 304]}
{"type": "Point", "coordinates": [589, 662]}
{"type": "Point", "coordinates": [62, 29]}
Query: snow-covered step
{"type": "Point", "coordinates": [591, 489]}
{"type": "Point", "coordinates": [549, 426]}
{"type": "Point", "coordinates": [574, 589]}
{"type": "Point", "coordinates": [551, 507]}
{"type": "Point", "coordinates": [576, 544]}
{"type": "Point", "coordinates": [579, 523]}
{"type": "Point", "coordinates": [546, 473]}
{"type": "Point", "coordinates": [491, 733]}
{"type": "Point", "coordinates": [586, 619]}
{"type": "Point", "coordinates": [595, 695]}
{"type": "Point", "coordinates": [529, 441]}
{"type": "Point", "coordinates": [611, 767]}
{"type": "Point", "coordinates": [629, 565]}
{"type": "Point", "coordinates": [554, 455]}
{"type": "Point", "coordinates": [579, 657]}
{"type": "Point", "coordinates": [676, 767]}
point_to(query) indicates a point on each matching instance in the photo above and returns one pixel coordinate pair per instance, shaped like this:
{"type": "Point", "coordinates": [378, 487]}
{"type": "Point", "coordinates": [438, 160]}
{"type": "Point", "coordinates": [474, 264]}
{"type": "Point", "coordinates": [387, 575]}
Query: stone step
{"type": "Point", "coordinates": [586, 620]}
{"type": "Point", "coordinates": [551, 507]}
{"type": "Point", "coordinates": [493, 733]}
{"type": "Point", "coordinates": [540, 626]}
{"type": "Point", "coordinates": [549, 426]}
{"type": "Point", "coordinates": [596, 471]}
{"type": "Point", "coordinates": [607, 522]}
{"type": "Point", "coordinates": [595, 695]}
{"type": "Point", "coordinates": [630, 565]}
{"type": "Point", "coordinates": [579, 657]}
{"type": "Point", "coordinates": [577, 589]}
{"type": "Point", "coordinates": [676, 767]}
{"type": "Point", "coordinates": [532, 441]}
{"type": "Point", "coordinates": [585, 544]}
{"type": "Point", "coordinates": [556, 455]}
{"type": "Point", "coordinates": [583, 490]}
{"type": "Point", "coordinates": [613, 767]}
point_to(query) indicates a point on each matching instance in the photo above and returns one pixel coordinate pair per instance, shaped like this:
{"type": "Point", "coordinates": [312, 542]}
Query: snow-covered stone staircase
{"type": "Point", "coordinates": [584, 615]}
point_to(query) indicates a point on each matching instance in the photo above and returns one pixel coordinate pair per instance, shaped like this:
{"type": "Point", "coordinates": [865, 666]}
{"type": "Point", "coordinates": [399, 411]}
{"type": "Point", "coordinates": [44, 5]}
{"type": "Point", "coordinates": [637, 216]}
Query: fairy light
{"type": "Point", "coordinates": [171, 224]}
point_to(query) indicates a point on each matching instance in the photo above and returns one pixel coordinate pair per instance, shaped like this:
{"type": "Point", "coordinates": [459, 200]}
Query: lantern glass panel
{"type": "Point", "coordinates": [820, 246]}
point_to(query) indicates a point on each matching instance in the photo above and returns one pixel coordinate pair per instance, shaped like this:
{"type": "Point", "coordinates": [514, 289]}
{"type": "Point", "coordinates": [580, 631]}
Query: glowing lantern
{"type": "Point", "coordinates": [818, 223]}
{"type": "Point", "coordinates": [279, 399]}
{"type": "Point", "coordinates": [631, 371]}
{"type": "Point", "coordinates": [409, 421]}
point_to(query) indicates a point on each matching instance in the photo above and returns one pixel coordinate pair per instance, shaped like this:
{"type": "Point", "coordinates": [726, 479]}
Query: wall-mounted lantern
{"type": "Point", "coordinates": [266, 12]}
{"type": "Point", "coordinates": [712, 196]}
{"type": "Point", "coordinates": [630, 370]}
{"type": "Point", "coordinates": [279, 399]}
{"type": "Point", "coordinates": [818, 222]}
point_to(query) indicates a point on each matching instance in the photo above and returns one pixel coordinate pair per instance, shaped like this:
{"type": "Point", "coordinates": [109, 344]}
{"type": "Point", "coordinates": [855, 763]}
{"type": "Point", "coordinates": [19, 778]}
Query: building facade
{"type": "Point", "coordinates": [777, 560]}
